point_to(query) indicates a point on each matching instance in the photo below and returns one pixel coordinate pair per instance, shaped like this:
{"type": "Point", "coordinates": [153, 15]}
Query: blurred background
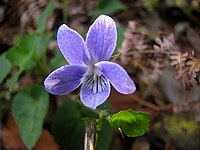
{"type": "Point", "coordinates": [158, 44]}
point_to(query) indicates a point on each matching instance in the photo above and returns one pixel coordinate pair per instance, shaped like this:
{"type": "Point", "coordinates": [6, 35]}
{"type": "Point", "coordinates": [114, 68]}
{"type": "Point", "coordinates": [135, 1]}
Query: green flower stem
{"type": "Point", "coordinates": [90, 135]}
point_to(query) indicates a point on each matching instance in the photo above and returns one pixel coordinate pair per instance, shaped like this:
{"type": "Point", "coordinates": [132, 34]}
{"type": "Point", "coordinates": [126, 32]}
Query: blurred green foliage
{"type": "Point", "coordinates": [29, 48]}
{"type": "Point", "coordinates": [107, 7]}
{"type": "Point", "coordinates": [5, 67]}
{"type": "Point", "coordinates": [182, 129]}
{"type": "Point", "coordinates": [187, 6]}
{"type": "Point", "coordinates": [20, 56]}
{"type": "Point", "coordinates": [29, 108]}
{"type": "Point", "coordinates": [150, 4]}
{"type": "Point", "coordinates": [42, 19]}
{"type": "Point", "coordinates": [57, 61]}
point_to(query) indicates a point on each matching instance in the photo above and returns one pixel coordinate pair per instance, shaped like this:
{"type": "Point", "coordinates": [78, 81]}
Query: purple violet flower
{"type": "Point", "coordinates": [89, 65]}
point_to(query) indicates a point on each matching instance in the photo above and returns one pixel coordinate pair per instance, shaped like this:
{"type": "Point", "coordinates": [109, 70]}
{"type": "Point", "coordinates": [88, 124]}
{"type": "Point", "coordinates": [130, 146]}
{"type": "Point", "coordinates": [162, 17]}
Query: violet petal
{"type": "Point", "coordinates": [101, 38]}
{"type": "Point", "coordinates": [72, 46]}
{"type": "Point", "coordinates": [94, 93]}
{"type": "Point", "coordinates": [117, 76]}
{"type": "Point", "coordinates": [64, 79]}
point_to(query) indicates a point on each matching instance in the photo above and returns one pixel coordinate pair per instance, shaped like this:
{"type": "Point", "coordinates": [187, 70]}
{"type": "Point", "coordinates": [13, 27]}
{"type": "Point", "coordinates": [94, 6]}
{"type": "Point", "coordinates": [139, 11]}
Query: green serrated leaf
{"type": "Point", "coordinates": [29, 108]}
{"type": "Point", "coordinates": [131, 122]}
{"type": "Point", "coordinates": [68, 127]}
{"type": "Point", "coordinates": [5, 67]}
{"type": "Point", "coordinates": [42, 19]}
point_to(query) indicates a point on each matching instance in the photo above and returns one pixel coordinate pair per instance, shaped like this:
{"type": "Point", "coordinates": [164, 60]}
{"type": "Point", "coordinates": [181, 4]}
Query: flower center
{"type": "Point", "coordinates": [94, 80]}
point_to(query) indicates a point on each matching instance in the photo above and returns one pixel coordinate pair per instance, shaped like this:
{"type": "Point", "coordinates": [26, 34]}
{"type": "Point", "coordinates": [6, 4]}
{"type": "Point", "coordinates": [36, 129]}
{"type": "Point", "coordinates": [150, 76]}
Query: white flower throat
{"type": "Point", "coordinates": [94, 80]}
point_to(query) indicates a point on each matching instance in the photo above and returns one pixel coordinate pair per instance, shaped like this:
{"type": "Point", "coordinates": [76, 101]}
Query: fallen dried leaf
{"type": "Point", "coordinates": [46, 141]}
{"type": "Point", "coordinates": [10, 135]}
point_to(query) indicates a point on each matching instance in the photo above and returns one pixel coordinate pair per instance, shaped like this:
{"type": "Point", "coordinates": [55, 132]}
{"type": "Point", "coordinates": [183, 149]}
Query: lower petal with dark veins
{"type": "Point", "coordinates": [94, 91]}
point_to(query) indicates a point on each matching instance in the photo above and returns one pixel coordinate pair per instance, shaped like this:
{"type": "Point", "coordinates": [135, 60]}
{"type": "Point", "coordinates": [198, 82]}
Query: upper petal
{"type": "Point", "coordinates": [72, 46]}
{"type": "Point", "coordinates": [117, 76]}
{"type": "Point", "coordinates": [101, 38]}
{"type": "Point", "coordinates": [64, 79]}
{"type": "Point", "coordinates": [94, 92]}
